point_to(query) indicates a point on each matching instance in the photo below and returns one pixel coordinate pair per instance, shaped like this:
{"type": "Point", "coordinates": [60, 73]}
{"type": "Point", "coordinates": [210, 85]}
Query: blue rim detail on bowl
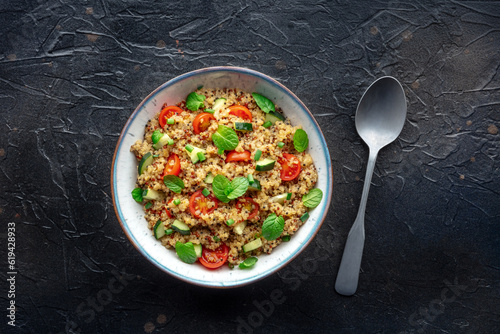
{"type": "Point", "coordinates": [324, 208]}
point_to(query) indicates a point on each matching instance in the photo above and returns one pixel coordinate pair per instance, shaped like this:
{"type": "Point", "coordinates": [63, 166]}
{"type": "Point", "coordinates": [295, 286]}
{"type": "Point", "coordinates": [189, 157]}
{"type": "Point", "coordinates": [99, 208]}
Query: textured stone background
{"type": "Point", "coordinates": [71, 72]}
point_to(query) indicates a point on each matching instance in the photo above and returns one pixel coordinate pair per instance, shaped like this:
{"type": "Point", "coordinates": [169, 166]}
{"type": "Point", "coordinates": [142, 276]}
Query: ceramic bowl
{"type": "Point", "coordinates": [124, 172]}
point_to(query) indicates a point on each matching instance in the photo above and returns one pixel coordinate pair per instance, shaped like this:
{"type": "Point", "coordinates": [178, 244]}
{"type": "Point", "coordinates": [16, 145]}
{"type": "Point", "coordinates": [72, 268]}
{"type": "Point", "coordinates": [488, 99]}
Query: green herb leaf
{"type": "Point", "coordinates": [174, 183]}
{"type": "Point", "coordinates": [285, 238]}
{"type": "Point", "coordinates": [300, 140]}
{"type": "Point", "coordinates": [195, 101]}
{"type": "Point", "coordinates": [312, 198]}
{"type": "Point", "coordinates": [225, 138]}
{"type": "Point", "coordinates": [186, 252]}
{"type": "Point", "coordinates": [148, 205]}
{"type": "Point", "coordinates": [238, 187]}
{"type": "Point", "coordinates": [219, 185]}
{"type": "Point", "coordinates": [273, 227]}
{"type": "Point", "coordinates": [216, 238]}
{"type": "Point", "coordinates": [248, 263]}
{"type": "Point", "coordinates": [263, 102]}
{"type": "Point", "coordinates": [137, 195]}
{"type": "Point", "coordinates": [155, 137]}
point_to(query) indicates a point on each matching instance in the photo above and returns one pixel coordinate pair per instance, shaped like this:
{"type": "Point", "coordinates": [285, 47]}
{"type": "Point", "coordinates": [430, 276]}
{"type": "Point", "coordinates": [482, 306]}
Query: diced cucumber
{"type": "Point", "coordinates": [274, 116]}
{"type": "Point", "coordinates": [257, 155]}
{"type": "Point", "coordinates": [264, 165]}
{"type": "Point", "coordinates": [180, 227]}
{"type": "Point", "coordinates": [209, 178]}
{"type": "Point", "coordinates": [146, 160]}
{"type": "Point", "coordinates": [279, 199]}
{"type": "Point", "coordinates": [151, 194]}
{"type": "Point", "coordinates": [254, 185]}
{"type": "Point", "coordinates": [219, 104]}
{"type": "Point", "coordinates": [304, 217]}
{"type": "Point", "coordinates": [194, 153]}
{"type": "Point", "coordinates": [242, 126]}
{"type": "Point", "coordinates": [238, 228]}
{"type": "Point", "coordinates": [252, 245]}
{"type": "Point", "coordinates": [164, 140]}
{"type": "Point", "coordinates": [198, 249]}
{"type": "Point", "coordinates": [159, 229]}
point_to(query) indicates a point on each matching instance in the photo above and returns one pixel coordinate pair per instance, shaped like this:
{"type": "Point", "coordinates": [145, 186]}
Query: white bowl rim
{"type": "Point", "coordinates": [264, 274]}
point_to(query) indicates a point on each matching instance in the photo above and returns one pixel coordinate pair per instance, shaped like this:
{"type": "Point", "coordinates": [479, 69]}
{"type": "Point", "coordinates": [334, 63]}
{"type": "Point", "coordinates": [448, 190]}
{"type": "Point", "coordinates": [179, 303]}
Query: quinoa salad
{"type": "Point", "coordinates": [224, 177]}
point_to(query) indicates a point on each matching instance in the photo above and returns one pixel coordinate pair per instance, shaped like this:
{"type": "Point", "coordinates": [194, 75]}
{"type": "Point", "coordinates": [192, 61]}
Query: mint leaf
{"type": "Point", "coordinates": [219, 185]}
{"type": "Point", "coordinates": [238, 187]}
{"type": "Point", "coordinates": [195, 101]}
{"type": "Point", "coordinates": [186, 252]}
{"type": "Point", "coordinates": [137, 195]}
{"type": "Point", "coordinates": [263, 102]}
{"type": "Point", "coordinates": [273, 227]}
{"type": "Point", "coordinates": [300, 140]}
{"type": "Point", "coordinates": [225, 138]}
{"type": "Point", "coordinates": [312, 198]}
{"type": "Point", "coordinates": [174, 183]}
{"type": "Point", "coordinates": [248, 263]}
{"type": "Point", "coordinates": [155, 137]}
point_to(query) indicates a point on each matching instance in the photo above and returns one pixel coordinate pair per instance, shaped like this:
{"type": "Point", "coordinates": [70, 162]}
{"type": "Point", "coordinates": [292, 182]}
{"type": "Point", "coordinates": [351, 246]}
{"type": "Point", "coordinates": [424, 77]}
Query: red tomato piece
{"type": "Point", "coordinates": [249, 204]}
{"type": "Point", "coordinates": [202, 122]}
{"type": "Point", "coordinates": [290, 167]}
{"type": "Point", "coordinates": [240, 111]}
{"type": "Point", "coordinates": [214, 259]}
{"type": "Point", "coordinates": [173, 166]}
{"type": "Point", "coordinates": [198, 204]}
{"type": "Point", "coordinates": [167, 112]}
{"type": "Point", "coordinates": [234, 156]}
{"type": "Point", "coordinates": [169, 214]}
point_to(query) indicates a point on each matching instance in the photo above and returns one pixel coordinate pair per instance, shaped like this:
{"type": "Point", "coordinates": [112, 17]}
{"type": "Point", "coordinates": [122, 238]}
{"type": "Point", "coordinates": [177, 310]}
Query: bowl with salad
{"type": "Point", "coordinates": [221, 176]}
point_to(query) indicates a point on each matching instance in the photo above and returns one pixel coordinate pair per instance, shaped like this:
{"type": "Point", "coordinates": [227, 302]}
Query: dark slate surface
{"type": "Point", "coordinates": [71, 72]}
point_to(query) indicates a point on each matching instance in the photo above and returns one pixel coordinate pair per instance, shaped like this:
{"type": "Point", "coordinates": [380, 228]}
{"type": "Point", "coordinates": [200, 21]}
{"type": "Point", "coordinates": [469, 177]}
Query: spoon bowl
{"type": "Point", "coordinates": [380, 118]}
{"type": "Point", "coordinates": [381, 112]}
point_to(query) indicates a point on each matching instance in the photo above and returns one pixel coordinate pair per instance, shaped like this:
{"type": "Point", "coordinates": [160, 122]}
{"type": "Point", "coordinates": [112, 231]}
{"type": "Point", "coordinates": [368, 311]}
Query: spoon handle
{"type": "Point", "coordinates": [348, 275]}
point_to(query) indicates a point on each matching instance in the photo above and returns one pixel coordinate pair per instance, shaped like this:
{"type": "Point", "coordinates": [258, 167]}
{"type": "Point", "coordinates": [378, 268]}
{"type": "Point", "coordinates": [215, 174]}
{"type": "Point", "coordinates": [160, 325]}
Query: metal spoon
{"type": "Point", "coordinates": [380, 118]}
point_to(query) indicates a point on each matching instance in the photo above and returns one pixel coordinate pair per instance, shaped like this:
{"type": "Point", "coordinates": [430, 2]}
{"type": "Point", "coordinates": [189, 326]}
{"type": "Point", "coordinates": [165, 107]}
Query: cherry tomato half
{"type": "Point", "coordinates": [238, 156]}
{"type": "Point", "coordinates": [167, 210]}
{"type": "Point", "coordinates": [167, 112]}
{"type": "Point", "coordinates": [214, 259]}
{"type": "Point", "coordinates": [290, 167]}
{"type": "Point", "coordinates": [240, 111]}
{"type": "Point", "coordinates": [173, 166]}
{"type": "Point", "coordinates": [249, 204]}
{"type": "Point", "coordinates": [198, 204]}
{"type": "Point", "coordinates": [202, 122]}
